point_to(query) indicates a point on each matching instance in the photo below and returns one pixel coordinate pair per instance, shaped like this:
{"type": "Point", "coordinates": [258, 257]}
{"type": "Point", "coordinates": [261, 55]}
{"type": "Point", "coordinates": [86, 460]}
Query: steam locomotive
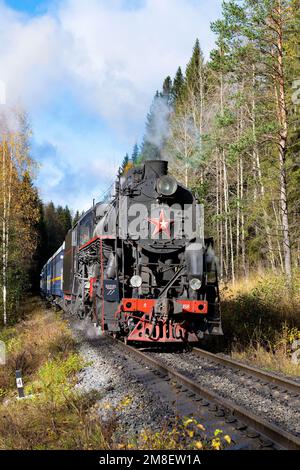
{"type": "Point", "coordinates": [139, 266]}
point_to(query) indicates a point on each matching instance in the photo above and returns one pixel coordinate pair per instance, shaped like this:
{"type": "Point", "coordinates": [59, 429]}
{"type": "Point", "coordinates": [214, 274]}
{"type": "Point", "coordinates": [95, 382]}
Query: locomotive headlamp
{"type": "Point", "coordinates": [166, 185]}
{"type": "Point", "coordinates": [136, 281]}
{"type": "Point", "coordinates": [195, 283]}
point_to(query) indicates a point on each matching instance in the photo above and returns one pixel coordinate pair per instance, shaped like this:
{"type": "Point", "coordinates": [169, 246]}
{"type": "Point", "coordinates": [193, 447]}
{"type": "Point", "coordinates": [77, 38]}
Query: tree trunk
{"type": "Point", "coordinates": [283, 119]}
{"type": "Point", "coordinates": [4, 238]}
{"type": "Point", "coordinates": [258, 175]}
{"type": "Point", "coordinates": [278, 236]}
{"type": "Point", "coordinates": [221, 217]}
{"type": "Point", "coordinates": [238, 186]}
{"type": "Point", "coordinates": [243, 244]}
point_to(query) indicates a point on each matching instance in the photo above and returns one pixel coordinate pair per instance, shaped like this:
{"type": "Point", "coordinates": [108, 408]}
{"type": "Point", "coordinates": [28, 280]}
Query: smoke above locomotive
{"type": "Point", "coordinates": [139, 265]}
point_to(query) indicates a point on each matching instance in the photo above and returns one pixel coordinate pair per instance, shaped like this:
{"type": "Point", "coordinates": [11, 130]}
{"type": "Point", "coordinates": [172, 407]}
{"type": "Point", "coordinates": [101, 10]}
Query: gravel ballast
{"type": "Point", "coordinates": [275, 406]}
{"type": "Point", "coordinates": [125, 398]}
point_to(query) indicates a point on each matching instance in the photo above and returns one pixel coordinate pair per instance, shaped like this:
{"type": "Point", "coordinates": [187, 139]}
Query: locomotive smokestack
{"type": "Point", "coordinates": [155, 168]}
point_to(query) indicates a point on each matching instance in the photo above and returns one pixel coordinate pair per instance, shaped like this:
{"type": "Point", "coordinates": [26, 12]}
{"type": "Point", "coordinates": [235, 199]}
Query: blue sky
{"type": "Point", "coordinates": [86, 72]}
{"type": "Point", "coordinates": [30, 6]}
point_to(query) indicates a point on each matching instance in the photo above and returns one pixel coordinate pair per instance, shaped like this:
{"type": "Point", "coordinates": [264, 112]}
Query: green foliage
{"type": "Point", "coordinates": [178, 85]}
{"type": "Point", "coordinates": [55, 224]}
{"type": "Point", "coordinates": [7, 334]}
{"type": "Point", "coordinates": [194, 70]}
{"type": "Point", "coordinates": [125, 162]}
{"type": "Point", "coordinates": [225, 130]}
{"type": "Point", "coordinates": [167, 90]}
{"type": "Point", "coordinates": [225, 119]}
{"type": "Point", "coordinates": [135, 154]}
{"type": "Point", "coordinates": [56, 378]}
{"type": "Point", "coordinates": [183, 434]}
{"type": "Point", "coordinates": [76, 218]}
{"type": "Point", "coordinates": [19, 214]}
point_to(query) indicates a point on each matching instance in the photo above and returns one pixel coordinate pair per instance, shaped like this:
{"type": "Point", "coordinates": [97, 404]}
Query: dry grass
{"type": "Point", "coordinates": [39, 337]}
{"type": "Point", "coordinates": [55, 416]}
{"type": "Point", "coordinates": [277, 361]}
{"type": "Point", "coordinates": [261, 320]}
{"type": "Point", "coordinates": [38, 423]}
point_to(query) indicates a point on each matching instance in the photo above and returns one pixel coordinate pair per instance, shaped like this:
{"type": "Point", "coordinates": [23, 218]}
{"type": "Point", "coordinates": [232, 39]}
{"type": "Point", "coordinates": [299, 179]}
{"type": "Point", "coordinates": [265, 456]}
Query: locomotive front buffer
{"type": "Point", "coordinates": [164, 320]}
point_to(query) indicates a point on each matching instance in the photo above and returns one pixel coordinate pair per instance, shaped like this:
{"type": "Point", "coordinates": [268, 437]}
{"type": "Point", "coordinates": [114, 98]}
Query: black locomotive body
{"type": "Point", "coordinates": [139, 266]}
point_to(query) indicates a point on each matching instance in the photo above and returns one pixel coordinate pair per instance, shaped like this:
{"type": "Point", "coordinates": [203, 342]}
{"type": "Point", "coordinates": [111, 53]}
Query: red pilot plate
{"type": "Point", "coordinates": [138, 305]}
{"type": "Point", "coordinates": [194, 306]}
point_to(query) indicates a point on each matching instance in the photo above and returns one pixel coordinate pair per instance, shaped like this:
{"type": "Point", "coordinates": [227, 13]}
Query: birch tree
{"type": "Point", "coordinates": [18, 211]}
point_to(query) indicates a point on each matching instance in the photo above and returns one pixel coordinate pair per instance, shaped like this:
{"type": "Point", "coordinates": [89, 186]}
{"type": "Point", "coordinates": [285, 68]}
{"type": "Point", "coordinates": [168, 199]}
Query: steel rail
{"type": "Point", "coordinates": [282, 438]}
{"type": "Point", "coordinates": [287, 384]}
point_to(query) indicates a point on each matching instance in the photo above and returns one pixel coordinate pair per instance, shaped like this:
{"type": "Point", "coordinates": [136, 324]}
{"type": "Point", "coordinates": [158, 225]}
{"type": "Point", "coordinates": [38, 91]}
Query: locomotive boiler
{"type": "Point", "coordinates": [139, 266]}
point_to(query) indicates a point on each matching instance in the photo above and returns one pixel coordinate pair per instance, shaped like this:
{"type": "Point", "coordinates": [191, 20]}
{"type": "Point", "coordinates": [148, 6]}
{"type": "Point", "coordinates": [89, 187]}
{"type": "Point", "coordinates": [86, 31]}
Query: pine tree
{"type": "Point", "coordinates": [68, 220]}
{"type": "Point", "coordinates": [234, 135]}
{"type": "Point", "coordinates": [41, 250]}
{"type": "Point", "coordinates": [265, 28]}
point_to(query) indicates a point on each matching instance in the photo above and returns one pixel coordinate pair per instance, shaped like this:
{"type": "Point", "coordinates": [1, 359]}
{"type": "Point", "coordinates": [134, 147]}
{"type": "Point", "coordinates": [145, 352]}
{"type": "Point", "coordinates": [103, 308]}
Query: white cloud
{"type": "Point", "coordinates": [112, 57]}
{"type": "Point", "coordinates": [74, 170]}
{"type": "Point", "coordinates": [120, 57]}
{"type": "Point", "coordinates": [30, 61]}
{"type": "Point", "coordinates": [109, 57]}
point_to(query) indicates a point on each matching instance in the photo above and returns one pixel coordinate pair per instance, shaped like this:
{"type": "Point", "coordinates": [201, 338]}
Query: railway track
{"type": "Point", "coordinates": [230, 412]}
{"type": "Point", "coordinates": [274, 380]}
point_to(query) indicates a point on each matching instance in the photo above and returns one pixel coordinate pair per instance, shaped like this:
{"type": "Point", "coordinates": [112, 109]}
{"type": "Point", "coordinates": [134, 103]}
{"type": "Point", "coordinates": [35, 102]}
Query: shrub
{"type": "Point", "coordinates": [185, 433]}
{"type": "Point", "coordinates": [261, 319]}
{"type": "Point", "coordinates": [255, 310]}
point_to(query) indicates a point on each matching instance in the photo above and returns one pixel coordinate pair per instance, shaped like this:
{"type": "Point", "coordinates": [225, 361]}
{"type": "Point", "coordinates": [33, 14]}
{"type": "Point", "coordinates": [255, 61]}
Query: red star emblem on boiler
{"type": "Point", "coordinates": [162, 224]}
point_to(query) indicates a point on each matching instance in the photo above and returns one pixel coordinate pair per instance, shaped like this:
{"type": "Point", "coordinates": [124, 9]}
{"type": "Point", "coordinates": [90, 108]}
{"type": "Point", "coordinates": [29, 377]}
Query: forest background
{"type": "Point", "coordinates": [230, 130]}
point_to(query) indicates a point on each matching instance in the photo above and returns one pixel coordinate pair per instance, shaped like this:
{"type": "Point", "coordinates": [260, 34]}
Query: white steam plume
{"type": "Point", "coordinates": [158, 129]}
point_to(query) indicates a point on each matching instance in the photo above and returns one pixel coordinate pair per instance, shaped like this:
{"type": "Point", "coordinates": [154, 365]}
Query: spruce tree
{"type": "Point", "coordinates": [135, 154]}
{"type": "Point", "coordinates": [178, 85]}
{"type": "Point", "coordinates": [167, 90]}
{"type": "Point", "coordinates": [195, 69]}
{"type": "Point", "coordinates": [76, 218]}
{"type": "Point", "coordinates": [125, 162]}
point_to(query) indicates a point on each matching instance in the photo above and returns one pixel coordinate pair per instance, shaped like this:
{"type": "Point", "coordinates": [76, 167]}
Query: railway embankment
{"type": "Point", "coordinates": [52, 415]}
{"type": "Point", "coordinates": [81, 392]}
